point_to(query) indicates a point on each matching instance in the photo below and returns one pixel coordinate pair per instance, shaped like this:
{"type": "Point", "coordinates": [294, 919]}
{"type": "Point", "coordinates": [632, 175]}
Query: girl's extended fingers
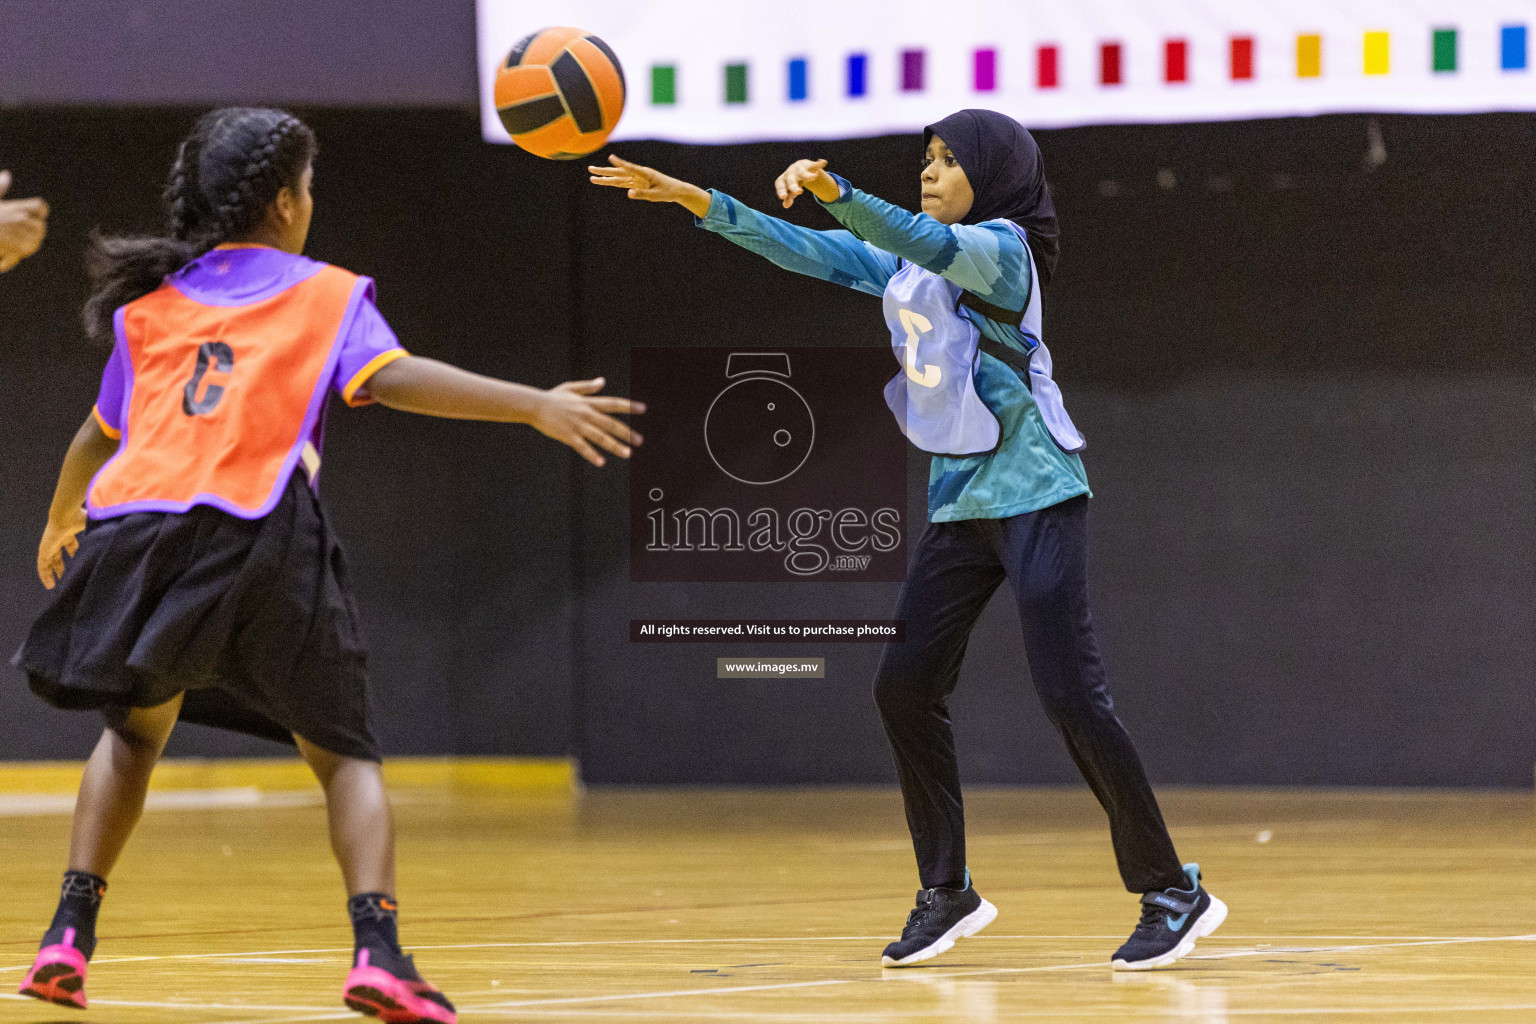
{"type": "Point", "coordinates": [607, 442]}
{"type": "Point", "coordinates": [613, 403]}
{"type": "Point", "coordinates": [609, 425]}
{"type": "Point", "coordinates": [72, 546]}
{"type": "Point", "coordinates": [585, 450]}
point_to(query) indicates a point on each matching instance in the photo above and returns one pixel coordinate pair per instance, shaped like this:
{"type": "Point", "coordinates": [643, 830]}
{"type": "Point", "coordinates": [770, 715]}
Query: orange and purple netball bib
{"type": "Point", "coordinates": [218, 383]}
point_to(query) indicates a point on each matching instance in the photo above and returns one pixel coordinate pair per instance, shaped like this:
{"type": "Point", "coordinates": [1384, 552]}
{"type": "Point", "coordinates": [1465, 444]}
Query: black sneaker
{"type": "Point", "coordinates": [1171, 921]}
{"type": "Point", "coordinates": [940, 917]}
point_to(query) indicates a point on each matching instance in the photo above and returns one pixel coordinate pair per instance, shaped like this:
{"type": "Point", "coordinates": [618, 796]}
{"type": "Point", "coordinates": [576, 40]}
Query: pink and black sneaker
{"type": "Point", "coordinates": [58, 975]}
{"type": "Point", "coordinates": [397, 996]}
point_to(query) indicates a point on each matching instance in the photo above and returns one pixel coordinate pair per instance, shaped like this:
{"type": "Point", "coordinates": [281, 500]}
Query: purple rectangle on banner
{"type": "Point", "coordinates": [912, 70]}
{"type": "Point", "coordinates": [986, 70]}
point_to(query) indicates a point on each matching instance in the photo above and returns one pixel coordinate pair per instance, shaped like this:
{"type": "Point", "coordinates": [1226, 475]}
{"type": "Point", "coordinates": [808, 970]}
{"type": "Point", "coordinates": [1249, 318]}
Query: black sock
{"type": "Point", "coordinates": [79, 901]}
{"type": "Point", "coordinates": [376, 928]}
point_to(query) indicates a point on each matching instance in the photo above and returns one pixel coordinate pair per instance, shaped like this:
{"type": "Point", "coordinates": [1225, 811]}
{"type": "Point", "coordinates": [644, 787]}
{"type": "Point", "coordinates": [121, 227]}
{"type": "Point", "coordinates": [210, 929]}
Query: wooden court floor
{"type": "Point", "coordinates": [773, 906]}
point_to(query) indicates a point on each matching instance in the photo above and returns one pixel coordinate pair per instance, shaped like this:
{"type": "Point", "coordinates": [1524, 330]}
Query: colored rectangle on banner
{"type": "Point", "coordinates": [1242, 58]}
{"type": "Point", "coordinates": [735, 83]}
{"type": "Point", "coordinates": [858, 68]}
{"type": "Point", "coordinates": [663, 84]}
{"type": "Point", "coordinates": [912, 70]}
{"type": "Point", "coordinates": [1512, 41]}
{"type": "Point", "coordinates": [1377, 53]}
{"type": "Point", "coordinates": [1443, 50]}
{"type": "Point", "coordinates": [1309, 55]}
{"type": "Point", "coordinates": [1109, 64]}
{"type": "Point", "coordinates": [798, 88]}
{"type": "Point", "coordinates": [986, 70]}
{"type": "Point", "coordinates": [1047, 69]}
{"type": "Point", "coordinates": [1176, 60]}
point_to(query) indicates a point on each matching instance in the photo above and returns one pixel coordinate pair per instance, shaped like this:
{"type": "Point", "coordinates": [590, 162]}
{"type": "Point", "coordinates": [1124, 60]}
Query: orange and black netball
{"type": "Point", "coordinates": [560, 92]}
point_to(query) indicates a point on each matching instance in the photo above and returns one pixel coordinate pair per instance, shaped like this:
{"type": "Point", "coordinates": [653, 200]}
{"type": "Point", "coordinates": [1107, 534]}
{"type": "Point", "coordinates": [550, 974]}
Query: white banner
{"type": "Point", "coordinates": [732, 71]}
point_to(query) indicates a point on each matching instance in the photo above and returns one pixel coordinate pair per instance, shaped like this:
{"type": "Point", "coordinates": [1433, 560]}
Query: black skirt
{"type": "Point", "coordinates": [252, 619]}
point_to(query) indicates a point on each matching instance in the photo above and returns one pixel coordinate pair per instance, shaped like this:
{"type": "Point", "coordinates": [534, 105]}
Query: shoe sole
{"type": "Point", "coordinates": [372, 1002]}
{"type": "Point", "coordinates": [967, 926]}
{"type": "Point", "coordinates": [1209, 921]}
{"type": "Point", "coordinates": [57, 984]}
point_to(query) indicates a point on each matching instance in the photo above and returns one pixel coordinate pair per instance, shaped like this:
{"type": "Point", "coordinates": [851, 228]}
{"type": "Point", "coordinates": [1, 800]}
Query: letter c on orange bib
{"type": "Point", "coordinates": [223, 398]}
{"type": "Point", "coordinates": [222, 358]}
{"type": "Point", "coordinates": [560, 93]}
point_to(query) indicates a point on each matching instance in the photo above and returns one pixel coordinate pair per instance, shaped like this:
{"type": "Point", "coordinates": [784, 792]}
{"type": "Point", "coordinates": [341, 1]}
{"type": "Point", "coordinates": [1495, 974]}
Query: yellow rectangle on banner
{"type": "Point", "coordinates": [1377, 50]}
{"type": "Point", "coordinates": [1309, 56]}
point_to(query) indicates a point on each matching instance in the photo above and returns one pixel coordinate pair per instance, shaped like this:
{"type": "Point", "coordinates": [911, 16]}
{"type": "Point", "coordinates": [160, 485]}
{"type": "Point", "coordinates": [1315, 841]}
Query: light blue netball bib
{"type": "Point", "coordinates": [934, 396]}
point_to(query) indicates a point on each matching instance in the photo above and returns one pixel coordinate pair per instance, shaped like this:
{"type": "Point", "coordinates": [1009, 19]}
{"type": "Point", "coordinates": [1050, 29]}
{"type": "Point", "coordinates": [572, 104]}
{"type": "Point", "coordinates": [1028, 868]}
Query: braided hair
{"type": "Point", "coordinates": [227, 173]}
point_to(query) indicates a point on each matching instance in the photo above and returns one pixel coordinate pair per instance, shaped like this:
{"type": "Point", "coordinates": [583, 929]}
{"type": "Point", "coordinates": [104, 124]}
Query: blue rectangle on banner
{"type": "Point", "coordinates": [857, 63]}
{"type": "Point", "coordinates": [797, 76]}
{"type": "Point", "coordinates": [1512, 48]}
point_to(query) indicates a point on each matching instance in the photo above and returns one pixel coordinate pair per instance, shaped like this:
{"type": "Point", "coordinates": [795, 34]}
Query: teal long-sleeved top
{"type": "Point", "coordinates": [1028, 471]}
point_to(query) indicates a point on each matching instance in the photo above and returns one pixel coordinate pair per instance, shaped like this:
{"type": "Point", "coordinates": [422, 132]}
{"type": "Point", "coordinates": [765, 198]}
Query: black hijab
{"type": "Point", "coordinates": [1006, 172]}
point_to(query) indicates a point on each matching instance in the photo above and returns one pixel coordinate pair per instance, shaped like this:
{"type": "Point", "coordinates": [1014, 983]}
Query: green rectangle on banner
{"type": "Point", "coordinates": [735, 83]}
{"type": "Point", "coordinates": [663, 84]}
{"type": "Point", "coordinates": [1445, 49]}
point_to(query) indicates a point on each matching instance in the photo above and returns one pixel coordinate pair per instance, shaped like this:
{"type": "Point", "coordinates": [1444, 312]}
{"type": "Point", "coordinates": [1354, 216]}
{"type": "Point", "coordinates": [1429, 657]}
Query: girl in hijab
{"type": "Point", "coordinates": [1007, 496]}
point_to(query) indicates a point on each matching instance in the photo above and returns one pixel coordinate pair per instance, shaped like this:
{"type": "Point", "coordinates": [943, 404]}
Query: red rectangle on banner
{"type": "Point", "coordinates": [1176, 60]}
{"type": "Point", "coordinates": [1047, 76]}
{"type": "Point", "coordinates": [1109, 64]}
{"type": "Point", "coordinates": [1242, 58]}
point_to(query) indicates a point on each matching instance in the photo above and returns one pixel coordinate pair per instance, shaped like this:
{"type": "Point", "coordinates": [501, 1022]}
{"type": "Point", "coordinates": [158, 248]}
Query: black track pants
{"type": "Point", "coordinates": [1044, 557]}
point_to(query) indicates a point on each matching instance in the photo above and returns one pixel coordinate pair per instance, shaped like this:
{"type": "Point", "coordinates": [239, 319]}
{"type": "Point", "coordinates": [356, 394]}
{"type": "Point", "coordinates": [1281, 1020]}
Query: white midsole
{"type": "Point", "coordinates": [1208, 923]}
{"type": "Point", "coordinates": [967, 926]}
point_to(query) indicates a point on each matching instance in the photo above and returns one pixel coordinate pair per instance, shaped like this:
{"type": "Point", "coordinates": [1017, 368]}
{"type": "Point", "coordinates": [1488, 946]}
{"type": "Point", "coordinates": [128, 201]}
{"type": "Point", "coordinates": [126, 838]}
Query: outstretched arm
{"type": "Point", "coordinates": [572, 413]}
{"type": "Point", "coordinates": [835, 256]}
{"type": "Point", "coordinates": [988, 259]}
{"type": "Point", "coordinates": [88, 452]}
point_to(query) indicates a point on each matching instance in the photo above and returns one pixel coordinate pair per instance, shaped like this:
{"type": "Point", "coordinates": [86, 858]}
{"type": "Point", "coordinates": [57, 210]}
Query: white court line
{"type": "Point", "coordinates": [141, 1005]}
{"type": "Point", "coordinates": [1125, 1014]}
{"type": "Point", "coordinates": [30, 805]}
{"type": "Point", "coordinates": [235, 958]}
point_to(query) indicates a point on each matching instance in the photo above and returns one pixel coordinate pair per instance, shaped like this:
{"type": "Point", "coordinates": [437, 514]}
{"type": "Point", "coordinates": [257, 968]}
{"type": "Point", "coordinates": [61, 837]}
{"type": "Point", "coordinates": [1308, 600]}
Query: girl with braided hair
{"type": "Point", "coordinates": [206, 583]}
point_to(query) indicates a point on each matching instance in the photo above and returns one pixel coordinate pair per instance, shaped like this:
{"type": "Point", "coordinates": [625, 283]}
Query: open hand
{"type": "Point", "coordinates": [59, 538]}
{"type": "Point", "coordinates": [575, 414]}
{"type": "Point", "coordinates": [806, 176]}
{"type": "Point", "coordinates": [23, 223]}
{"type": "Point", "coordinates": [642, 182]}
{"type": "Point", "coordinates": [649, 184]}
